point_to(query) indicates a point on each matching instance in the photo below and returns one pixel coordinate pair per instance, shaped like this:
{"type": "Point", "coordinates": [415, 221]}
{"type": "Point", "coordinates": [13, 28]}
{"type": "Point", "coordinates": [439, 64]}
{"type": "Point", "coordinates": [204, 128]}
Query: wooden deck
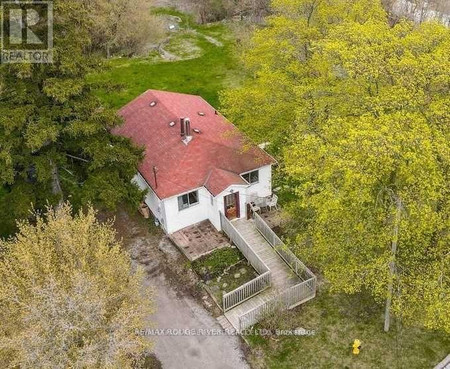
{"type": "Point", "coordinates": [282, 276]}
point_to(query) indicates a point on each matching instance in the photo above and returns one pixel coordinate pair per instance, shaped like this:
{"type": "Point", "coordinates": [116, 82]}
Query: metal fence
{"type": "Point", "coordinates": [254, 286]}
{"type": "Point", "coordinates": [291, 296]}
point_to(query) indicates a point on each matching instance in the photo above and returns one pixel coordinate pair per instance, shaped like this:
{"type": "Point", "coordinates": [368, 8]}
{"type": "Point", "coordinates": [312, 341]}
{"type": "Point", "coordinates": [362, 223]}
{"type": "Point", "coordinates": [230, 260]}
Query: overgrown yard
{"type": "Point", "coordinates": [199, 60]}
{"type": "Point", "coordinates": [223, 270]}
{"type": "Point", "coordinates": [336, 321]}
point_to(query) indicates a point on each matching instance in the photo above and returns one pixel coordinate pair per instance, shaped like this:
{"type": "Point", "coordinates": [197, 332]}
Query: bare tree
{"type": "Point", "coordinates": [214, 10]}
{"type": "Point", "coordinates": [122, 26]}
{"type": "Point", "coordinates": [420, 10]}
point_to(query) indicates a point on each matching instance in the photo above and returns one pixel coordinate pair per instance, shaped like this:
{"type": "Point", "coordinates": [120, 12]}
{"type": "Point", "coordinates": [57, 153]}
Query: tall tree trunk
{"type": "Point", "coordinates": [394, 244]}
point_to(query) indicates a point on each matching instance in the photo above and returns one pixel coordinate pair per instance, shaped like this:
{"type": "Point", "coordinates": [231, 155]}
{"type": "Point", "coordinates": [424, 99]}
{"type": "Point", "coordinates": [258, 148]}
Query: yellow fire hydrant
{"type": "Point", "coordinates": [356, 347]}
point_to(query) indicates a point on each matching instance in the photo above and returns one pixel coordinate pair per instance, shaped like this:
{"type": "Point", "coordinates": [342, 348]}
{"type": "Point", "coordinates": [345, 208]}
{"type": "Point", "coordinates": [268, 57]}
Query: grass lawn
{"type": "Point", "coordinates": [223, 270]}
{"type": "Point", "coordinates": [337, 321]}
{"type": "Point", "coordinates": [205, 69]}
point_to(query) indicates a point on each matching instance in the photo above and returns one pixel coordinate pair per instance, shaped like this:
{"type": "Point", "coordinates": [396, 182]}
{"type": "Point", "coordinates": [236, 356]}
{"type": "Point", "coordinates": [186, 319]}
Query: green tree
{"type": "Point", "coordinates": [279, 61]}
{"type": "Point", "coordinates": [366, 131]}
{"type": "Point", "coordinates": [69, 297]}
{"type": "Point", "coordinates": [54, 134]}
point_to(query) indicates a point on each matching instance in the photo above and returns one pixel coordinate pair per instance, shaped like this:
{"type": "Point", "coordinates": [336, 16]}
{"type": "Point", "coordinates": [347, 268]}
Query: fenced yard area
{"type": "Point", "coordinates": [254, 286]}
{"type": "Point", "coordinates": [222, 271]}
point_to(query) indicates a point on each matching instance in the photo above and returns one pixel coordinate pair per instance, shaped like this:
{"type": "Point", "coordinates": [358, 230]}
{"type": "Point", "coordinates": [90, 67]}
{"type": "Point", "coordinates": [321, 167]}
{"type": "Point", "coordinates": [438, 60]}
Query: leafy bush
{"type": "Point", "coordinates": [213, 265]}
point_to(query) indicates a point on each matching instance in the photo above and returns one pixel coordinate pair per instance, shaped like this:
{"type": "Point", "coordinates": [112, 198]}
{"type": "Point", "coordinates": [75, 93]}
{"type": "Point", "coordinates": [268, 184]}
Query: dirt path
{"type": "Point", "coordinates": [180, 304]}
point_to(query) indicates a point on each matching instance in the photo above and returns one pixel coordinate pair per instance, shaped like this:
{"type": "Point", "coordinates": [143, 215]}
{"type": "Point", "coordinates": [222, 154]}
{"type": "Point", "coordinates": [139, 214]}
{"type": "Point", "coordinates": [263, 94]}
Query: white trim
{"type": "Point", "coordinates": [258, 168]}
{"type": "Point", "coordinates": [251, 171]}
{"type": "Point", "coordinates": [203, 186]}
{"type": "Point", "coordinates": [189, 205]}
{"type": "Point", "coordinates": [148, 184]}
{"type": "Point", "coordinates": [183, 193]}
{"type": "Point", "coordinates": [228, 188]}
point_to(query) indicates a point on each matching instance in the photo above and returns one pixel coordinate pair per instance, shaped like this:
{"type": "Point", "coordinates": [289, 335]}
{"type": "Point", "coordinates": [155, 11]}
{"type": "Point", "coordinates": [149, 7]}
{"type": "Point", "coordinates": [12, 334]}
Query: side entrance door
{"type": "Point", "coordinates": [231, 204]}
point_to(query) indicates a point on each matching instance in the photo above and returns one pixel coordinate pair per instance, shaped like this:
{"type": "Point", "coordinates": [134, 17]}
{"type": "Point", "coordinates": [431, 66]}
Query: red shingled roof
{"type": "Point", "coordinates": [214, 158]}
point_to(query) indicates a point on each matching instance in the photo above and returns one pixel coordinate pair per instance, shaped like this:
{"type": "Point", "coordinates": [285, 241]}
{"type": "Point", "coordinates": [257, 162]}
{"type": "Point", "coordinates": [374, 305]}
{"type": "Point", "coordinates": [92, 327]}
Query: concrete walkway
{"type": "Point", "coordinates": [282, 276]}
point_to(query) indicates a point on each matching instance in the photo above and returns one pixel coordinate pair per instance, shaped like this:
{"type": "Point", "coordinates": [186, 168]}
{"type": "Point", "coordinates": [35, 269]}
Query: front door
{"type": "Point", "coordinates": [231, 203]}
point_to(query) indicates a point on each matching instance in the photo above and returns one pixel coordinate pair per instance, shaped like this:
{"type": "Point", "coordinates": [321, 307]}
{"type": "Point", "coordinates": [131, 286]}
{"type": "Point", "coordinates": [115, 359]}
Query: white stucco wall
{"type": "Point", "coordinates": [213, 211]}
{"type": "Point", "coordinates": [152, 200]}
{"type": "Point", "coordinates": [264, 186]}
{"type": "Point", "coordinates": [178, 219]}
{"type": "Point", "coordinates": [172, 219]}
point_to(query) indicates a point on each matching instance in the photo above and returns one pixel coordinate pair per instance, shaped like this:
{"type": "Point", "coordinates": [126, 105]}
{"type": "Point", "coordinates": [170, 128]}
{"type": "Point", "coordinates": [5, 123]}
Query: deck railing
{"type": "Point", "coordinates": [288, 299]}
{"type": "Point", "coordinates": [246, 291]}
{"type": "Point", "coordinates": [281, 249]}
{"type": "Point", "coordinates": [291, 296]}
{"type": "Point", "coordinates": [256, 285]}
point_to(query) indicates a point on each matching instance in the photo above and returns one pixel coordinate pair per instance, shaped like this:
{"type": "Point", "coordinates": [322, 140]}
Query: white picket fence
{"type": "Point", "coordinates": [256, 285]}
{"type": "Point", "coordinates": [291, 296]}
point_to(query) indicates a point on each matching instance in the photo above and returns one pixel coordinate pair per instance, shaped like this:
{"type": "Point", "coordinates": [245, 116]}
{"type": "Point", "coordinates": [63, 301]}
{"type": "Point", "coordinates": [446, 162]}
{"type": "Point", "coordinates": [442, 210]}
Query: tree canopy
{"type": "Point", "coordinates": [69, 297]}
{"type": "Point", "coordinates": [54, 133]}
{"type": "Point", "coordinates": [361, 108]}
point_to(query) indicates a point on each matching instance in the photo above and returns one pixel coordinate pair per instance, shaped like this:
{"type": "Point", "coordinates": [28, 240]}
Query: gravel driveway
{"type": "Point", "coordinates": [179, 303]}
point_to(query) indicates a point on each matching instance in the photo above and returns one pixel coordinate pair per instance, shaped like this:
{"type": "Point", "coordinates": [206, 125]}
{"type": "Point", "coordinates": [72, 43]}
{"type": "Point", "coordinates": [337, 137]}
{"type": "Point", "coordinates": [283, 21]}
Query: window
{"type": "Point", "coordinates": [251, 177]}
{"type": "Point", "coordinates": [187, 200]}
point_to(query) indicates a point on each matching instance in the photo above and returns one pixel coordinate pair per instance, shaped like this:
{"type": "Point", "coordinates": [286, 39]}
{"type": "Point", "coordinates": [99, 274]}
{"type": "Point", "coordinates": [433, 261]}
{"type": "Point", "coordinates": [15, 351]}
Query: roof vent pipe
{"type": "Point", "coordinates": [187, 123]}
{"type": "Point", "coordinates": [182, 127]}
{"type": "Point", "coordinates": [186, 131]}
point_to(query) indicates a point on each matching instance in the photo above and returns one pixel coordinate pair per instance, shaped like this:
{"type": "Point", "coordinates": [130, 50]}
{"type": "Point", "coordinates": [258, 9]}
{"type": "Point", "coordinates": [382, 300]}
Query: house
{"type": "Point", "coordinates": [196, 162]}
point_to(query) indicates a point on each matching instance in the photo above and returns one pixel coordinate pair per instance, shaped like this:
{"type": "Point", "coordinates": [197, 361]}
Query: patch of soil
{"type": "Point", "coordinates": [150, 362]}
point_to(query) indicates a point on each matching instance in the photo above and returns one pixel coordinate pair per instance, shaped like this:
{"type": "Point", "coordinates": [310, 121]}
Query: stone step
{"type": "Point", "coordinates": [225, 324]}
